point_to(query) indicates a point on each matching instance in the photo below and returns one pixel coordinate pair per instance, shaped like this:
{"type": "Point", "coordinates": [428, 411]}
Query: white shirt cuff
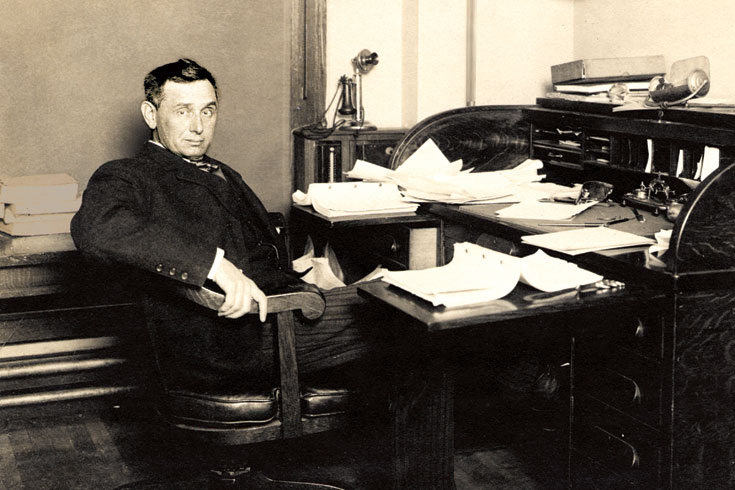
{"type": "Point", "coordinates": [215, 265]}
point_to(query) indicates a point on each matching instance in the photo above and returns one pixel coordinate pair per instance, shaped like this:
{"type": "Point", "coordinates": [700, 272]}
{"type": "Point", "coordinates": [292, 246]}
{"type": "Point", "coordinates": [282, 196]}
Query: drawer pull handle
{"type": "Point", "coordinates": [636, 392]}
{"type": "Point", "coordinates": [640, 329]}
{"type": "Point", "coordinates": [629, 453]}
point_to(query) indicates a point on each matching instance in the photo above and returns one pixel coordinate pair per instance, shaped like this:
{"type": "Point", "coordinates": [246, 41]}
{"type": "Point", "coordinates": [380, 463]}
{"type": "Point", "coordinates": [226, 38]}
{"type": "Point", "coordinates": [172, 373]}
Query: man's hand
{"type": "Point", "coordinates": [240, 291]}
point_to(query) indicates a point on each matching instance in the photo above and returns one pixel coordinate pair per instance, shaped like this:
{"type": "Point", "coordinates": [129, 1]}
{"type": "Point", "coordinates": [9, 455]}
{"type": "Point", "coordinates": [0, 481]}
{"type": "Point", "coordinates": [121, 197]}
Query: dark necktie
{"type": "Point", "coordinates": [207, 166]}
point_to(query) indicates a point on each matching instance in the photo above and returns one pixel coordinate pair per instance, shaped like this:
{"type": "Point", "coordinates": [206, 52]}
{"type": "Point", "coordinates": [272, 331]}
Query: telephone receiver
{"type": "Point", "coordinates": [346, 105]}
{"type": "Point", "coordinates": [687, 79]}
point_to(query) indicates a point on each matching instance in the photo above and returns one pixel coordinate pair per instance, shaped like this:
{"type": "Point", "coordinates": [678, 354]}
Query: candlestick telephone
{"type": "Point", "coordinates": [351, 100]}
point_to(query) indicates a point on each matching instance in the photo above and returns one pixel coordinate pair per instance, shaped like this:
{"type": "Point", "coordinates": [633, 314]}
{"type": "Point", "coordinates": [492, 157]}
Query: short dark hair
{"type": "Point", "coordinates": [183, 70]}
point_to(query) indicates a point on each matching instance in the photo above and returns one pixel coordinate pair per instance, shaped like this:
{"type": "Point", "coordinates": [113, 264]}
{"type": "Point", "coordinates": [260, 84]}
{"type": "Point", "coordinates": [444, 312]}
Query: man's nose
{"type": "Point", "coordinates": [195, 124]}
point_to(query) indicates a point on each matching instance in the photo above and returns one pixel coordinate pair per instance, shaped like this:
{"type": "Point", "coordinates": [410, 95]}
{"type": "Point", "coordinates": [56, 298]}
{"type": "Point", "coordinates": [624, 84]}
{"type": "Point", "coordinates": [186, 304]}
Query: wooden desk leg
{"type": "Point", "coordinates": [423, 429]}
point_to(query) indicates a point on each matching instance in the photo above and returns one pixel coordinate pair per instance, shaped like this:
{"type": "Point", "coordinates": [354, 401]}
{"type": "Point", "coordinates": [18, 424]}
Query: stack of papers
{"type": "Point", "coordinates": [355, 199]}
{"type": "Point", "coordinates": [478, 275]}
{"type": "Point", "coordinates": [428, 176]}
{"type": "Point", "coordinates": [579, 241]}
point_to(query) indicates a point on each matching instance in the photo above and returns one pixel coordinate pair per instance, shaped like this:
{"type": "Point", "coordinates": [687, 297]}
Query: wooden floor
{"type": "Point", "coordinates": [108, 449]}
{"type": "Point", "coordinates": [502, 442]}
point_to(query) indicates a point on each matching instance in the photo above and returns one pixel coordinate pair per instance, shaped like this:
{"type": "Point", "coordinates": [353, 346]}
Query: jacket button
{"type": "Point", "coordinates": [184, 276]}
{"type": "Point", "coordinates": [159, 267]}
{"type": "Point", "coordinates": [172, 272]}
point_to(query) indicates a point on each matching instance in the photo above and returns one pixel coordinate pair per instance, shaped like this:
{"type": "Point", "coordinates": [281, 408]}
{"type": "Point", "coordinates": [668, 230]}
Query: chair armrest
{"type": "Point", "coordinates": [304, 297]}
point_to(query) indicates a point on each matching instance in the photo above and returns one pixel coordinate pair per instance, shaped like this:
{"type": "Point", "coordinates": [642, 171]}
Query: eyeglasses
{"type": "Point", "coordinates": [594, 190]}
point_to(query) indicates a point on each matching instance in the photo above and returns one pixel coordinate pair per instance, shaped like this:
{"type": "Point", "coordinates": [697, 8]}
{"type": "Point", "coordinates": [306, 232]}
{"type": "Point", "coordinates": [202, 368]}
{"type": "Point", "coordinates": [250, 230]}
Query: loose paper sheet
{"type": "Point", "coordinates": [428, 159]}
{"type": "Point", "coordinates": [544, 210]}
{"type": "Point", "coordinates": [574, 242]}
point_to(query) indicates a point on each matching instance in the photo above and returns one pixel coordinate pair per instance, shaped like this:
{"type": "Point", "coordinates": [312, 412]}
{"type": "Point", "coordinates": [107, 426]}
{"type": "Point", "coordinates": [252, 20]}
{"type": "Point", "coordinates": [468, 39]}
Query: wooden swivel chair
{"type": "Point", "coordinates": [292, 408]}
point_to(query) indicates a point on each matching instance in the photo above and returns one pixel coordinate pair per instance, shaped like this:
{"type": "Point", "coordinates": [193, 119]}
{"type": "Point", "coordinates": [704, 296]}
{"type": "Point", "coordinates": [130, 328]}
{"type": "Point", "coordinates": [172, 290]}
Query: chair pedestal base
{"type": "Point", "coordinates": [245, 479]}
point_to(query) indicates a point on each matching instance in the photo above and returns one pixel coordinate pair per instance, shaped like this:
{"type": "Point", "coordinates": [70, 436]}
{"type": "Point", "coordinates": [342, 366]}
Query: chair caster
{"type": "Point", "coordinates": [226, 478]}
{"type": "Point", "coordinates": [245, 479]}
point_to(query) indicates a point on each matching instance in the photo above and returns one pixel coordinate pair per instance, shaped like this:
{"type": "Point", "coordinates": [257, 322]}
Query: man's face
{"type": "Point", "coordinates": [185, 118]}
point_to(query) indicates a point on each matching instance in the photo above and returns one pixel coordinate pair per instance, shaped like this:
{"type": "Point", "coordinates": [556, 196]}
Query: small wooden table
{"type": "Point", "coordinates": [410, 240]}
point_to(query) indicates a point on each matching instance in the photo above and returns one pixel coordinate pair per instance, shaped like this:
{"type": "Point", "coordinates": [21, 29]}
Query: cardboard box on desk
{"type": "Point", "coordinates": [609, 69]}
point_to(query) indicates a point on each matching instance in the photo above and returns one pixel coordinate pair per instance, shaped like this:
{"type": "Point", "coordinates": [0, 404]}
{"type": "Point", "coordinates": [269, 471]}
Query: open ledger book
{"type": "Point", "coordinates": [478, 275]}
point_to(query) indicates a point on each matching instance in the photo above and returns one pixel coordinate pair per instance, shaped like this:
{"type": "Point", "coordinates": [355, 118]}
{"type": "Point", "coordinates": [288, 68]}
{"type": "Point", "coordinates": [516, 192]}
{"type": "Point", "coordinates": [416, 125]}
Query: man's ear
{"type": "Point", "coordinates": [150, 113]}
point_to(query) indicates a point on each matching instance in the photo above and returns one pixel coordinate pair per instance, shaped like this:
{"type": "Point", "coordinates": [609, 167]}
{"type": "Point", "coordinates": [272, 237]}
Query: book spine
{"type": "Point", "coordinates": [58, 193]}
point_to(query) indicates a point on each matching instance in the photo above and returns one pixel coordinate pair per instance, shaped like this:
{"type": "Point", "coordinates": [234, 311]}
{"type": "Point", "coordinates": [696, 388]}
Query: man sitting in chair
{"type": "Point", "coordinates": [186, 218]}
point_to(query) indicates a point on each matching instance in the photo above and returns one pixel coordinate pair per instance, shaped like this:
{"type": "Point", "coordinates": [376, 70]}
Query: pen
{"type": "Point", "coordinates": [579, 291]}
{"type": "Point", "coordinates": [616, 221]}
{"type": "Point", "coordinates": [638, 215]}
{"type": "Point", "coordinates": [577, 225]}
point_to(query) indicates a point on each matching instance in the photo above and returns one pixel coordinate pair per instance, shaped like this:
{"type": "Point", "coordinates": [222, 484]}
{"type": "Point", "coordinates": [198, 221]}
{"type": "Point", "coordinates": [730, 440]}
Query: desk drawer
{"type": "Point", "coordinates": [610, 449]}
{"type": "Point", "coordinates": [641, 334]}
{"type": "Point", "coordinates": [630, 384]}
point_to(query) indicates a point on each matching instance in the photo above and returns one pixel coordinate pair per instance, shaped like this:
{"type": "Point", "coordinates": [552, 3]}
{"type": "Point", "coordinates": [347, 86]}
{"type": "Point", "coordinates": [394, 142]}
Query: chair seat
{"type": "Point", "coordinates": [219, 408]}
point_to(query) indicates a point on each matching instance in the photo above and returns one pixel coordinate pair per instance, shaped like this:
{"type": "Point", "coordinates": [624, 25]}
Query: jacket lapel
{"type": "Point", "coordinates": [186, 172]}
{"type": "Point", "coordinates": [250, 205]}
{"type": "Point", "coordinates": [198, 177]}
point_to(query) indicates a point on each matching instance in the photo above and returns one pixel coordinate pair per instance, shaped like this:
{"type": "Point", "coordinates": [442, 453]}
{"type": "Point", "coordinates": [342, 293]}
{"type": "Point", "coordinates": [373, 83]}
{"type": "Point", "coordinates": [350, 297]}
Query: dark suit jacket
{"type": "Point", "coordinates": [160, 214]}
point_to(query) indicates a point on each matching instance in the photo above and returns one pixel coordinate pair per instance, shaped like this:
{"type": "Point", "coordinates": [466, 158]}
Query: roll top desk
{"type": "Point", "coordinates": [652, 376]}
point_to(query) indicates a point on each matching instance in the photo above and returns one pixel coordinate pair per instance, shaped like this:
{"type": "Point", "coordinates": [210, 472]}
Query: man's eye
{"type": "Point", "coordinates": [181, 112]}
{"type": "Point", "coordinates": [208, 112]}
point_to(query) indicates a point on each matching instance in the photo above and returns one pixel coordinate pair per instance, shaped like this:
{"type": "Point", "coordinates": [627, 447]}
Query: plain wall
{"type": "Point", "coordinates": [424, 71]}
{"type": "Point", "coordinates": [423, 52]}
{"type": "Point", "coordinates": [517, 42]}
{"type": "Point", "coordinates": [72, 80]}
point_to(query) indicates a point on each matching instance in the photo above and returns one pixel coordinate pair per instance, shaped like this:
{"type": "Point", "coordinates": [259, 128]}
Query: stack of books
{"type": "Point", "coordinates": [38, 204]}
{"type": "Point", "coordinates": [593, 78]}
